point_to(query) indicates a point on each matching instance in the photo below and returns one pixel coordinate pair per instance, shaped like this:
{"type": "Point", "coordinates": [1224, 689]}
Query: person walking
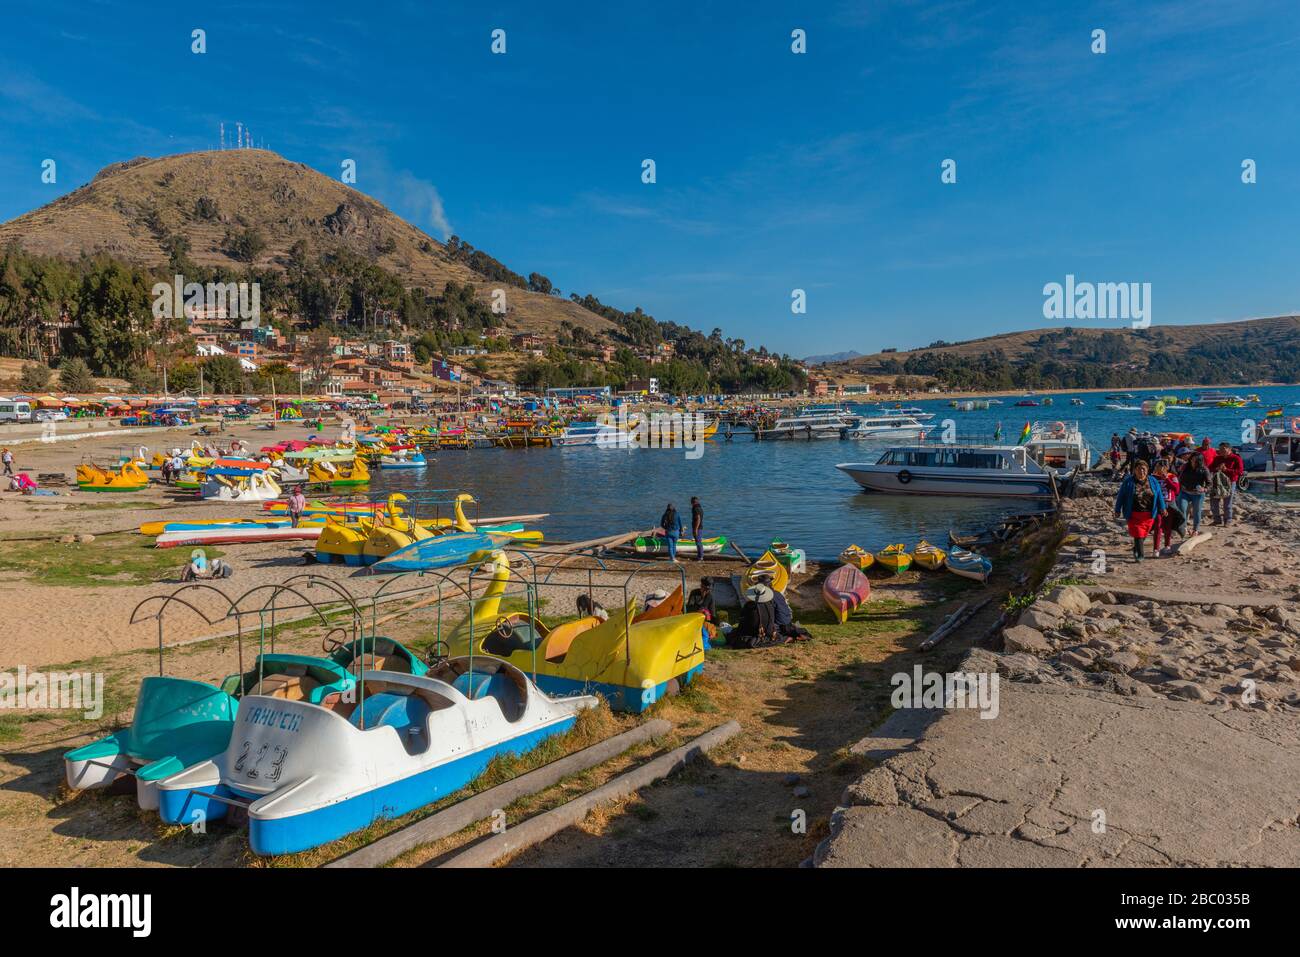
{"type": "Point", "coordinates": [1195, 482]}
{"type": "Point", "coordinates": [1165, 523]}
{"type": "Point", "coordinates": [1140, 501]}
{"type": "Point", "coordinates": [671, 523]}
{"type": "Point", "coordinates": [8, 458]}
{"type": "Point", "coordinates": [297, 502]}
{"type": "Point", "coordinates": [1228, 468]}
{"type": "Point", "coordinates": [697, 523]}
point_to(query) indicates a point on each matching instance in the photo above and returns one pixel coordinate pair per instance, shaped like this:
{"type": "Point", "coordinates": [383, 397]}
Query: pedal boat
{"type": "Point", "coordinates": [311, 773]}
{"type": "Point", "coordinates": [129, 478]}
{"type": "Point", "coordinates": [661, 652]}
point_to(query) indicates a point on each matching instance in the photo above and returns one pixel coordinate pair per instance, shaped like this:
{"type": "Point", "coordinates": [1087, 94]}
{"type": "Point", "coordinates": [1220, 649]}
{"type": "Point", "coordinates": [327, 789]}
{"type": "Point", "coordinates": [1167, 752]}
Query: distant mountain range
{"type": "Point", "coordinates": [831, 357]}
{"type": "Point", "coordinates": [1252, 350]}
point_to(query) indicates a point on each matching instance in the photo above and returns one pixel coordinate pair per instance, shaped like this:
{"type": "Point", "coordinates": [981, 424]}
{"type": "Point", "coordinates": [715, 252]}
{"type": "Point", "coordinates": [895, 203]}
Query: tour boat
{"type": "Point", "coordinates": [887, 427]}
{"type": "Point", "coordinates": [988, 470]}
{"type": "Point", "coordinates": [1059, 446]}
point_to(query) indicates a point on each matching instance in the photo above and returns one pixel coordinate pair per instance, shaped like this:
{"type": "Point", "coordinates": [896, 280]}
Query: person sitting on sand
{"type": "Point", "coordinates": [785, 619]}
{"type": "Point", "coordinates": [1141, 501]}
{"type": "Point", "coordinates": [757, 627]}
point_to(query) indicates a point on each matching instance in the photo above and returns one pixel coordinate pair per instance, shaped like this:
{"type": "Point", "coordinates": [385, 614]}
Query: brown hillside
{"type": "Point", "coordinates": [127, 206]}
{"type": "Point", "coordinates": [1279, 331]}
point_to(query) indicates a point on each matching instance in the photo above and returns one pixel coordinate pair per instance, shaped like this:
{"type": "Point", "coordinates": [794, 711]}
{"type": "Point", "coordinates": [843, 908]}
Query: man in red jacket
{"type": "Point", "coordinates": [1230, 463]}
{"type": "Point", "coordinates": [1207, 452]}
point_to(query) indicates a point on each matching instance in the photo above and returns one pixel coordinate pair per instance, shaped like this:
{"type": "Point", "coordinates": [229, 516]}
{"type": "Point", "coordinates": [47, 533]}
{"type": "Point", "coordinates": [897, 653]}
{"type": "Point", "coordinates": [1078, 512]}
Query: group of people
{"type": "Point", "coordinates": [765, 617]}
{"type": "Point", "coordinates": [670, 526]}
{"type": "Point", "coordinates": [1165, 486]}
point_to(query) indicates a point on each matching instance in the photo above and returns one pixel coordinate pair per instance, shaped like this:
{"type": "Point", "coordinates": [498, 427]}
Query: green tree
{"type": "Point", "coordinates": [224, 375]}
{"type": "Point", "coordinates": [35, 377]}
{"type": "Point", "coordinates": [75, 376]}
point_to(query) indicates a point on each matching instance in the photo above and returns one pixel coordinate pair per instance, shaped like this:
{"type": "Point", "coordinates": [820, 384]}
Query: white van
{"type": "Point", "coordinates": [12, 410]}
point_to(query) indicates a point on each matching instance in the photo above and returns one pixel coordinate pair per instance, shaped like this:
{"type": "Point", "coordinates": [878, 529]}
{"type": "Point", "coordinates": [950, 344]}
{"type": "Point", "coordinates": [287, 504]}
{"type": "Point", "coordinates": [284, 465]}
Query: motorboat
{"type": "Point", "coordinates": [887, 427]}
{"type": "Point", "coordinates": [312, 772]}
{"type": "Point", "coordinates": [816, 422]}
{"type": "Point", "coordinates": [978, 470]}
{"type": "Point", "coordinates": [1059, 446]}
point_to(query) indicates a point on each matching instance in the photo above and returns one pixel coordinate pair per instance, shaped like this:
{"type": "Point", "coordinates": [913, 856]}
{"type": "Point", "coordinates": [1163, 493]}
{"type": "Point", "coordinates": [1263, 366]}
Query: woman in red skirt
{"type": "Point", "coordinates": [1140, 501]}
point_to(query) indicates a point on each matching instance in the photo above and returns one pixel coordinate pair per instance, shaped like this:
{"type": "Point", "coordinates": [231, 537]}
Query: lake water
{"type": "Point", "coordinates": [754, 492]}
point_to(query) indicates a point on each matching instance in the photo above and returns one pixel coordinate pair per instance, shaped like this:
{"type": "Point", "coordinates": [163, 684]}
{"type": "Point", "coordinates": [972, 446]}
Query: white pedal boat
{"type": "Point", "coordinates": [312, 773]}
{"type": "Point", "coordinates": [259, 487]}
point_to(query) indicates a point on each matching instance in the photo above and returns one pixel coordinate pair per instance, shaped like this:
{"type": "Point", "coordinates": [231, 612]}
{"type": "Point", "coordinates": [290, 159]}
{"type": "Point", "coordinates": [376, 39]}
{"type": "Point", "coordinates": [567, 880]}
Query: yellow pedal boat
{"type": "Point", "coordinates": [129, 478]}
{"type": "Point", "coordinates": [634, 658]}
{"type": "Point", "coordinates": [928, 556]}
{"type": "Point", "coordinates": [895, 558]}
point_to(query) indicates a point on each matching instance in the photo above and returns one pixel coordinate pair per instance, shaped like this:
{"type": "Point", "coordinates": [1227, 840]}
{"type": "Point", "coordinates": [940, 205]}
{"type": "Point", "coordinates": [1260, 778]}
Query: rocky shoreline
{"type": "Point", "coordinates": [1147, 715]}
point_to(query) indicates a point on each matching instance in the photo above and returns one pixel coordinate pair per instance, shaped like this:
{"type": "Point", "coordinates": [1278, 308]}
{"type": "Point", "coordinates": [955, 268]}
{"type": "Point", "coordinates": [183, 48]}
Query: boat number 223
{"type": "Point", "coordinates": [277, 760]}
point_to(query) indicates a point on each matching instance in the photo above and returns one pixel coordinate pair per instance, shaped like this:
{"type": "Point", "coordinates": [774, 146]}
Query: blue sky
{"type": "Point", "coordinates": [775, 171]}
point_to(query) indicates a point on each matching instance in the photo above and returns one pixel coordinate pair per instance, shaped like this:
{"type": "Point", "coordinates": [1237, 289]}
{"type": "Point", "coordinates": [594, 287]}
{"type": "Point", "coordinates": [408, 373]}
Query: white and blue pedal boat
{"type": "Point", "coordinates": [312, 773]}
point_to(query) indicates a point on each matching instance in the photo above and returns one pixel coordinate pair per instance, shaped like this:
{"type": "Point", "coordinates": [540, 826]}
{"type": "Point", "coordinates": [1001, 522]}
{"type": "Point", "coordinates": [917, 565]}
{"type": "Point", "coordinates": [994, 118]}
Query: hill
{"type": "Point", "coordinates": [134, 211]}
{"type": "Point", "coordinates": [1253, 350]}
{"type": "Point", "coordinates": [831, 357]}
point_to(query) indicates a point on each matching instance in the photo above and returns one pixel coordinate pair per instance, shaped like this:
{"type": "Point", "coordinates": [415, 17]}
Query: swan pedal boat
{"type": "Point", "coordinates": [895, 558]}
{"type": "Point", "coordinates": [179, 722]}
{"type": "Point", "coordinates": [844, 590]}
{"type": "Point", "coordinates": [129, 478]}
{"type": "Point", "coordinates": [661, 652]}
{"type": "Point", "coordinates": [315, 772]}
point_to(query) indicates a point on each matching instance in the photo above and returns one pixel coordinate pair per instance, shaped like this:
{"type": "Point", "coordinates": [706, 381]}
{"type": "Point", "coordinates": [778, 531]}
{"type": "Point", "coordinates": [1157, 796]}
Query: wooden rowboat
{"type": "Point", "coordinates": [896, 558]}
{"type": "Point", "coordinates": [858, 557]}
{"type": "Point", "coordinates": [969, 564]}
{"type": "Point", "coordinates": [768, 570]}
{"type": "Point", "coordinates": [844, 590]}
{"type": "Point", "coordinates": [929, 556]}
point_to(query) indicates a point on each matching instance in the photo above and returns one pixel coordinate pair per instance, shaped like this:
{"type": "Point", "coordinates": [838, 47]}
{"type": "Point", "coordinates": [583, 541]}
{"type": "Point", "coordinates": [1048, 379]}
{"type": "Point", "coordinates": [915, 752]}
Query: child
{"type": "Point", "coordinates": [1165, 523]}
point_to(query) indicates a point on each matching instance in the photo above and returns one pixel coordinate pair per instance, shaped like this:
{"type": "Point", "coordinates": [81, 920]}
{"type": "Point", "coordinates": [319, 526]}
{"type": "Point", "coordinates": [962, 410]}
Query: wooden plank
{"type": "Point", "coordinates": [536, 829]}
{"type": "Point", "coordinates": [474, 809]}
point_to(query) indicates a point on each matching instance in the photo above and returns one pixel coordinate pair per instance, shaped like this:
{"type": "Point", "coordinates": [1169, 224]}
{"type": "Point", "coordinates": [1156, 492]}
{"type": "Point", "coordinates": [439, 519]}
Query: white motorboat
{"type": "Point", "coordinates": [1059, 446]}
{"type": "Point", "coordinates": [980, 470]}
{"type": "Point", "coordinates": [887, 427]}
{"type": "Point", "coordinates": [580, 433]}
{"type": "Point", "coordinates": [814, 422]}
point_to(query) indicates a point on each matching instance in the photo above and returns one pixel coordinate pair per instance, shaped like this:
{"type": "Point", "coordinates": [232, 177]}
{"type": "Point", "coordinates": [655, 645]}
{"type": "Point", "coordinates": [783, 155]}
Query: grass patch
{"type": "Point", "coordinates": [109, 560]}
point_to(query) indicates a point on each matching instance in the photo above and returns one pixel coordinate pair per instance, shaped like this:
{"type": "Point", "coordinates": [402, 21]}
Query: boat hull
{"type": "Point", "coordinates": [885, 480]}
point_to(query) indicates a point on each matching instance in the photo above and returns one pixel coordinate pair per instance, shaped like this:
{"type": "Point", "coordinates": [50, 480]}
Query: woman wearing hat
{"type": "Point", "coordinates": [757, 628]}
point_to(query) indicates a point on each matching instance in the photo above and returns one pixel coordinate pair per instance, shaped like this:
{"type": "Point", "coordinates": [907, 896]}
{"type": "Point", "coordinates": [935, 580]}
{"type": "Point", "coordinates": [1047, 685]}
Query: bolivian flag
{"type": "Point", "coordinates": [1024, 436]}
{"type": "Point", "coordinates": [1274, 414]}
